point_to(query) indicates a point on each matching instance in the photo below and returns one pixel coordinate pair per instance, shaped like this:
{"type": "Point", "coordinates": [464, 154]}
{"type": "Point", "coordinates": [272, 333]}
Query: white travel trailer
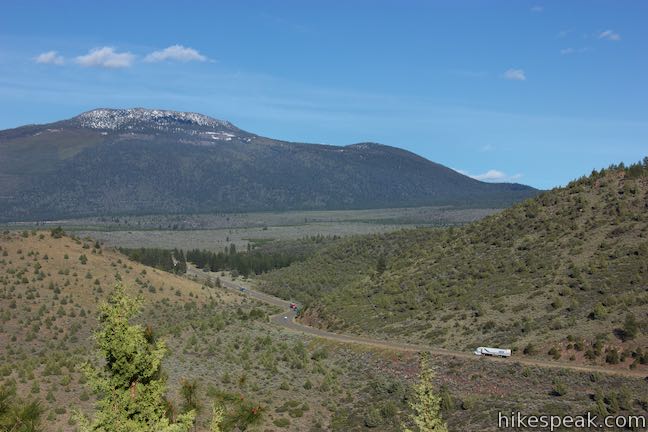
{"type": "Point", "coordinates": [499, 352]}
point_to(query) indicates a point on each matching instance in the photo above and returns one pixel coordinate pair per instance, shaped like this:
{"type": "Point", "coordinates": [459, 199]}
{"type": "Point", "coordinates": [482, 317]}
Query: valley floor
{"type": "Point", "coordinates": [216, 231]}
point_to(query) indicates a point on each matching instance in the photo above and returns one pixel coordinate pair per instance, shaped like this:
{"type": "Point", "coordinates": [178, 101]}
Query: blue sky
{"type": "Point", "coordinates": [537, 92]}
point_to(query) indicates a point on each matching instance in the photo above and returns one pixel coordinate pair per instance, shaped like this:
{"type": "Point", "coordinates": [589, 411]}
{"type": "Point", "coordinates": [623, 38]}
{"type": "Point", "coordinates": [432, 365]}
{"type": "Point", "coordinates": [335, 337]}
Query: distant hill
{"type": "Point", "coordinates": [565, 272]}
{"type": "Point", "coordinates": [140, 161]}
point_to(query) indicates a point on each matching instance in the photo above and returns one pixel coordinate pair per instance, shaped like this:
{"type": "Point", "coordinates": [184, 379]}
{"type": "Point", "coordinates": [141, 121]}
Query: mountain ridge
{"type": "Point", "coordinates": [145, 161]}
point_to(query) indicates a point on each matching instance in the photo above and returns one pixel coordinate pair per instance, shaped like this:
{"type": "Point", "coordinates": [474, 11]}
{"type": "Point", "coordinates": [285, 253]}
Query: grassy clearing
{"type": "Point", "coordinates": [215, 231]}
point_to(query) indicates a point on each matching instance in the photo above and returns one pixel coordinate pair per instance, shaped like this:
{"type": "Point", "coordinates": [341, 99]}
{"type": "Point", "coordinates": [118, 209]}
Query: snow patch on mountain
{"type": "Point", "coordinates": [114, 119]}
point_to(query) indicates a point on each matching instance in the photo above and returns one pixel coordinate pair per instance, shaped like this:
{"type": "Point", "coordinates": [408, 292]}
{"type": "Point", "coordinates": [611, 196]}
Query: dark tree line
{"type": "Point", "coordinates": [172, 261]}
{"type": "Point", "coordinates": [245, 263]}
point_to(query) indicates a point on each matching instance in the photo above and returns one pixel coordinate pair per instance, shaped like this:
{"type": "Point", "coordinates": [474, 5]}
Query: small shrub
{"type": "Point", "coordinates": [559, 388]}
{"type": "Point", "coordinates": [530, 349]}
{"type": "Point", "coordinates": [612, 356]}
{"type": "Point", "coordinates": [281, 422]}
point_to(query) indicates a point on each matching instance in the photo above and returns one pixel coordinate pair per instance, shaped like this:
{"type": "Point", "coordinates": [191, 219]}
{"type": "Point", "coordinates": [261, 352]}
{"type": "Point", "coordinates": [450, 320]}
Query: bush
{"type": "Point", "coordinates": [467, 404]}
{"type": "Point", "coordinates": [559, 389]}
{"type": "Point", "coordinates": [373, 418]}
{"type": "Point", "coordinates": [281, 422]}
{"type": "Point", "coordinates": [630, 328]}
{"type": "Point", "coordinates": [57, 232]}
{"type": "Point", "coordinates": [555, 353]}
{"type": "Point", "coordinates": [599, 312]}
{"type": "Point", "coordinates": [530, 349]}
{"type": "Point", "coordinates": [612, 356]}
{"type": "Point", "coordinates": [447, 402]}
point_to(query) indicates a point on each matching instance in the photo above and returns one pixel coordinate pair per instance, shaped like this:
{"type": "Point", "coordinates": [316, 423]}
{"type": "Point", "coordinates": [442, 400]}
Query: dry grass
{"type": "Point", "coordinates": [223, 340]}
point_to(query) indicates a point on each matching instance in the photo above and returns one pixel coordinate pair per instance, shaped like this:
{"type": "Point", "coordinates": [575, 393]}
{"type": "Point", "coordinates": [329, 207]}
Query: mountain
{"type": "Point", "coordinates": [565, 272]}
{"type": "Point", "coordinates": [139, 161]}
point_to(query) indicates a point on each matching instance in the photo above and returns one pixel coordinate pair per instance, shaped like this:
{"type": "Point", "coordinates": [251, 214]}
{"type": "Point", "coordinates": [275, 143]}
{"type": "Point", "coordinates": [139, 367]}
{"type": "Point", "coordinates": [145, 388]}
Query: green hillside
{"type": "Point", "coordinates": [566, 271]}
{"type": "Point", "coordinates": [222, 346]}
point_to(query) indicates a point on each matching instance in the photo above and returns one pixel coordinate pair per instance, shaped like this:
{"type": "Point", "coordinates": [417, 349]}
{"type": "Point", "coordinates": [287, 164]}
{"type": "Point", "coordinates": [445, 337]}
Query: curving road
{"type": "Point", "coordinates": [286, 319]}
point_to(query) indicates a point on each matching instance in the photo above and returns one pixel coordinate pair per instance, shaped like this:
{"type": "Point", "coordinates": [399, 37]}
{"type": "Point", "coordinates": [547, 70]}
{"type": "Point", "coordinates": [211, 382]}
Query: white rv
{"type": "Point", "coordinates": [499, 352]}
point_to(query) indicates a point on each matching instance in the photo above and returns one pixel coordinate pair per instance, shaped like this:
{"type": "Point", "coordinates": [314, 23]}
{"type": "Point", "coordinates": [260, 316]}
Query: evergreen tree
{"type": "Point", "coordinates": [18, 415]}
{"type": "Point", "coordinates": [57, 232]}
{"type": "Point", "coordinates": [630, 328]}
{"type": "Point", "coordinates": [381, 265]}
{"type": "Point", "coordinates": [130, 384]}
{"type": "Point", "coordinates": [181, 262]}
{"type": "Point", "coordinates": [189, 391]}
{"type": "Point", "coordinates": [426, 404]}
{"type": "Point", "coordinates": [216, 424]}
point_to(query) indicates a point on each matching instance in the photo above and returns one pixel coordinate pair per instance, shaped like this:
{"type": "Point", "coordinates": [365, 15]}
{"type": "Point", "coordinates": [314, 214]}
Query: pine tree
{"type": "Point", "coordinates": [18, 415]}
{"type": "Point", "coordinates": [189, 392]}
{"type": "Point", "coordinates": [630, 328]}
{"type": "Point", "coordinates": [216, 424]}
{"type": "Point", "coordinates": [381, 265]}
{"type": "Point", "coordinates": [130, 383]}
{"type": "Point", "coordinates": [426, 404]}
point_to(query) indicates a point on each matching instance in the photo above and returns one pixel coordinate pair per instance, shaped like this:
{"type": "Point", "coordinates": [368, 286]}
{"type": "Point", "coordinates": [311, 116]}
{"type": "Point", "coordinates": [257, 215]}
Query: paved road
{"type": "Point", "coordinates": [286, 319]}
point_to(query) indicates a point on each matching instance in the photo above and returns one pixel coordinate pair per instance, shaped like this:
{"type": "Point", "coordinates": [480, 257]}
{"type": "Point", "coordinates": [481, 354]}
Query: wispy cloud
{"type": "Point", "coordinates": [106, 57]}
{"type": "Point", "coordinates": [177, 53]}
{"type": "Point", "coordinates": [487, 148]}
{"type": "Point", "coordinates": [515, 75]}
{"type": "Point", "coordinates": [569, 51]}
{"type": "Point", "coordinates": [537, 8]}
{"type": "Point", "coordinates": [609, 35]}
{"type": "Point", "coordinates": [492, 175]}
{"type": "Point", "coordinates": [49, 57]}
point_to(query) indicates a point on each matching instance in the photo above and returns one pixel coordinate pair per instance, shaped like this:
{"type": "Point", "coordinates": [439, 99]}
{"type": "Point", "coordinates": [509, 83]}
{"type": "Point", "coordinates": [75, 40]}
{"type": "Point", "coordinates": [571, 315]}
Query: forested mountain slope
{"type": "Point", "coordinates": [139, 161]}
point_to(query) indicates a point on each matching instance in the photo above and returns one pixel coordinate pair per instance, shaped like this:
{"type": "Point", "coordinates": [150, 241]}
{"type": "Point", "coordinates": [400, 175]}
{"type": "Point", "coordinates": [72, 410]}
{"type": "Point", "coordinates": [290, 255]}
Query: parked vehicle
{"type": "Point", "coordinates": [498, 352]}
{"type": "Point", "coordinates": [293, 306]}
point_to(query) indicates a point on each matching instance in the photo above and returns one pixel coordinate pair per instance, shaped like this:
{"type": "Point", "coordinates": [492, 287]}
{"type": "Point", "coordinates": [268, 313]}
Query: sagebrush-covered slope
{"type": "Point", "coordinates": [571, 262]}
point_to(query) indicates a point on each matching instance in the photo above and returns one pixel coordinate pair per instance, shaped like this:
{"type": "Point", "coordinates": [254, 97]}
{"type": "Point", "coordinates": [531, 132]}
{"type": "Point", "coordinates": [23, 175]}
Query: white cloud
{"type": "Point", "coordinates": [492, 175]}
{"type": "Point", "coordinates": [487, 148]}
{"type": "Point", "coordinates": [515, 75]}
{"type": "Point", "coordinates": [49, 57]}
{"type": "Point", "coordinates": [175, 52]}
{"type": "Point", "coordinates": [106, 57]}
{"type": "Point", "coordinates": [537, 8]}
{"type": "Point", "coordinates": [568, 51]}
{"type": "Point", "coordinates": [609, 35]}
